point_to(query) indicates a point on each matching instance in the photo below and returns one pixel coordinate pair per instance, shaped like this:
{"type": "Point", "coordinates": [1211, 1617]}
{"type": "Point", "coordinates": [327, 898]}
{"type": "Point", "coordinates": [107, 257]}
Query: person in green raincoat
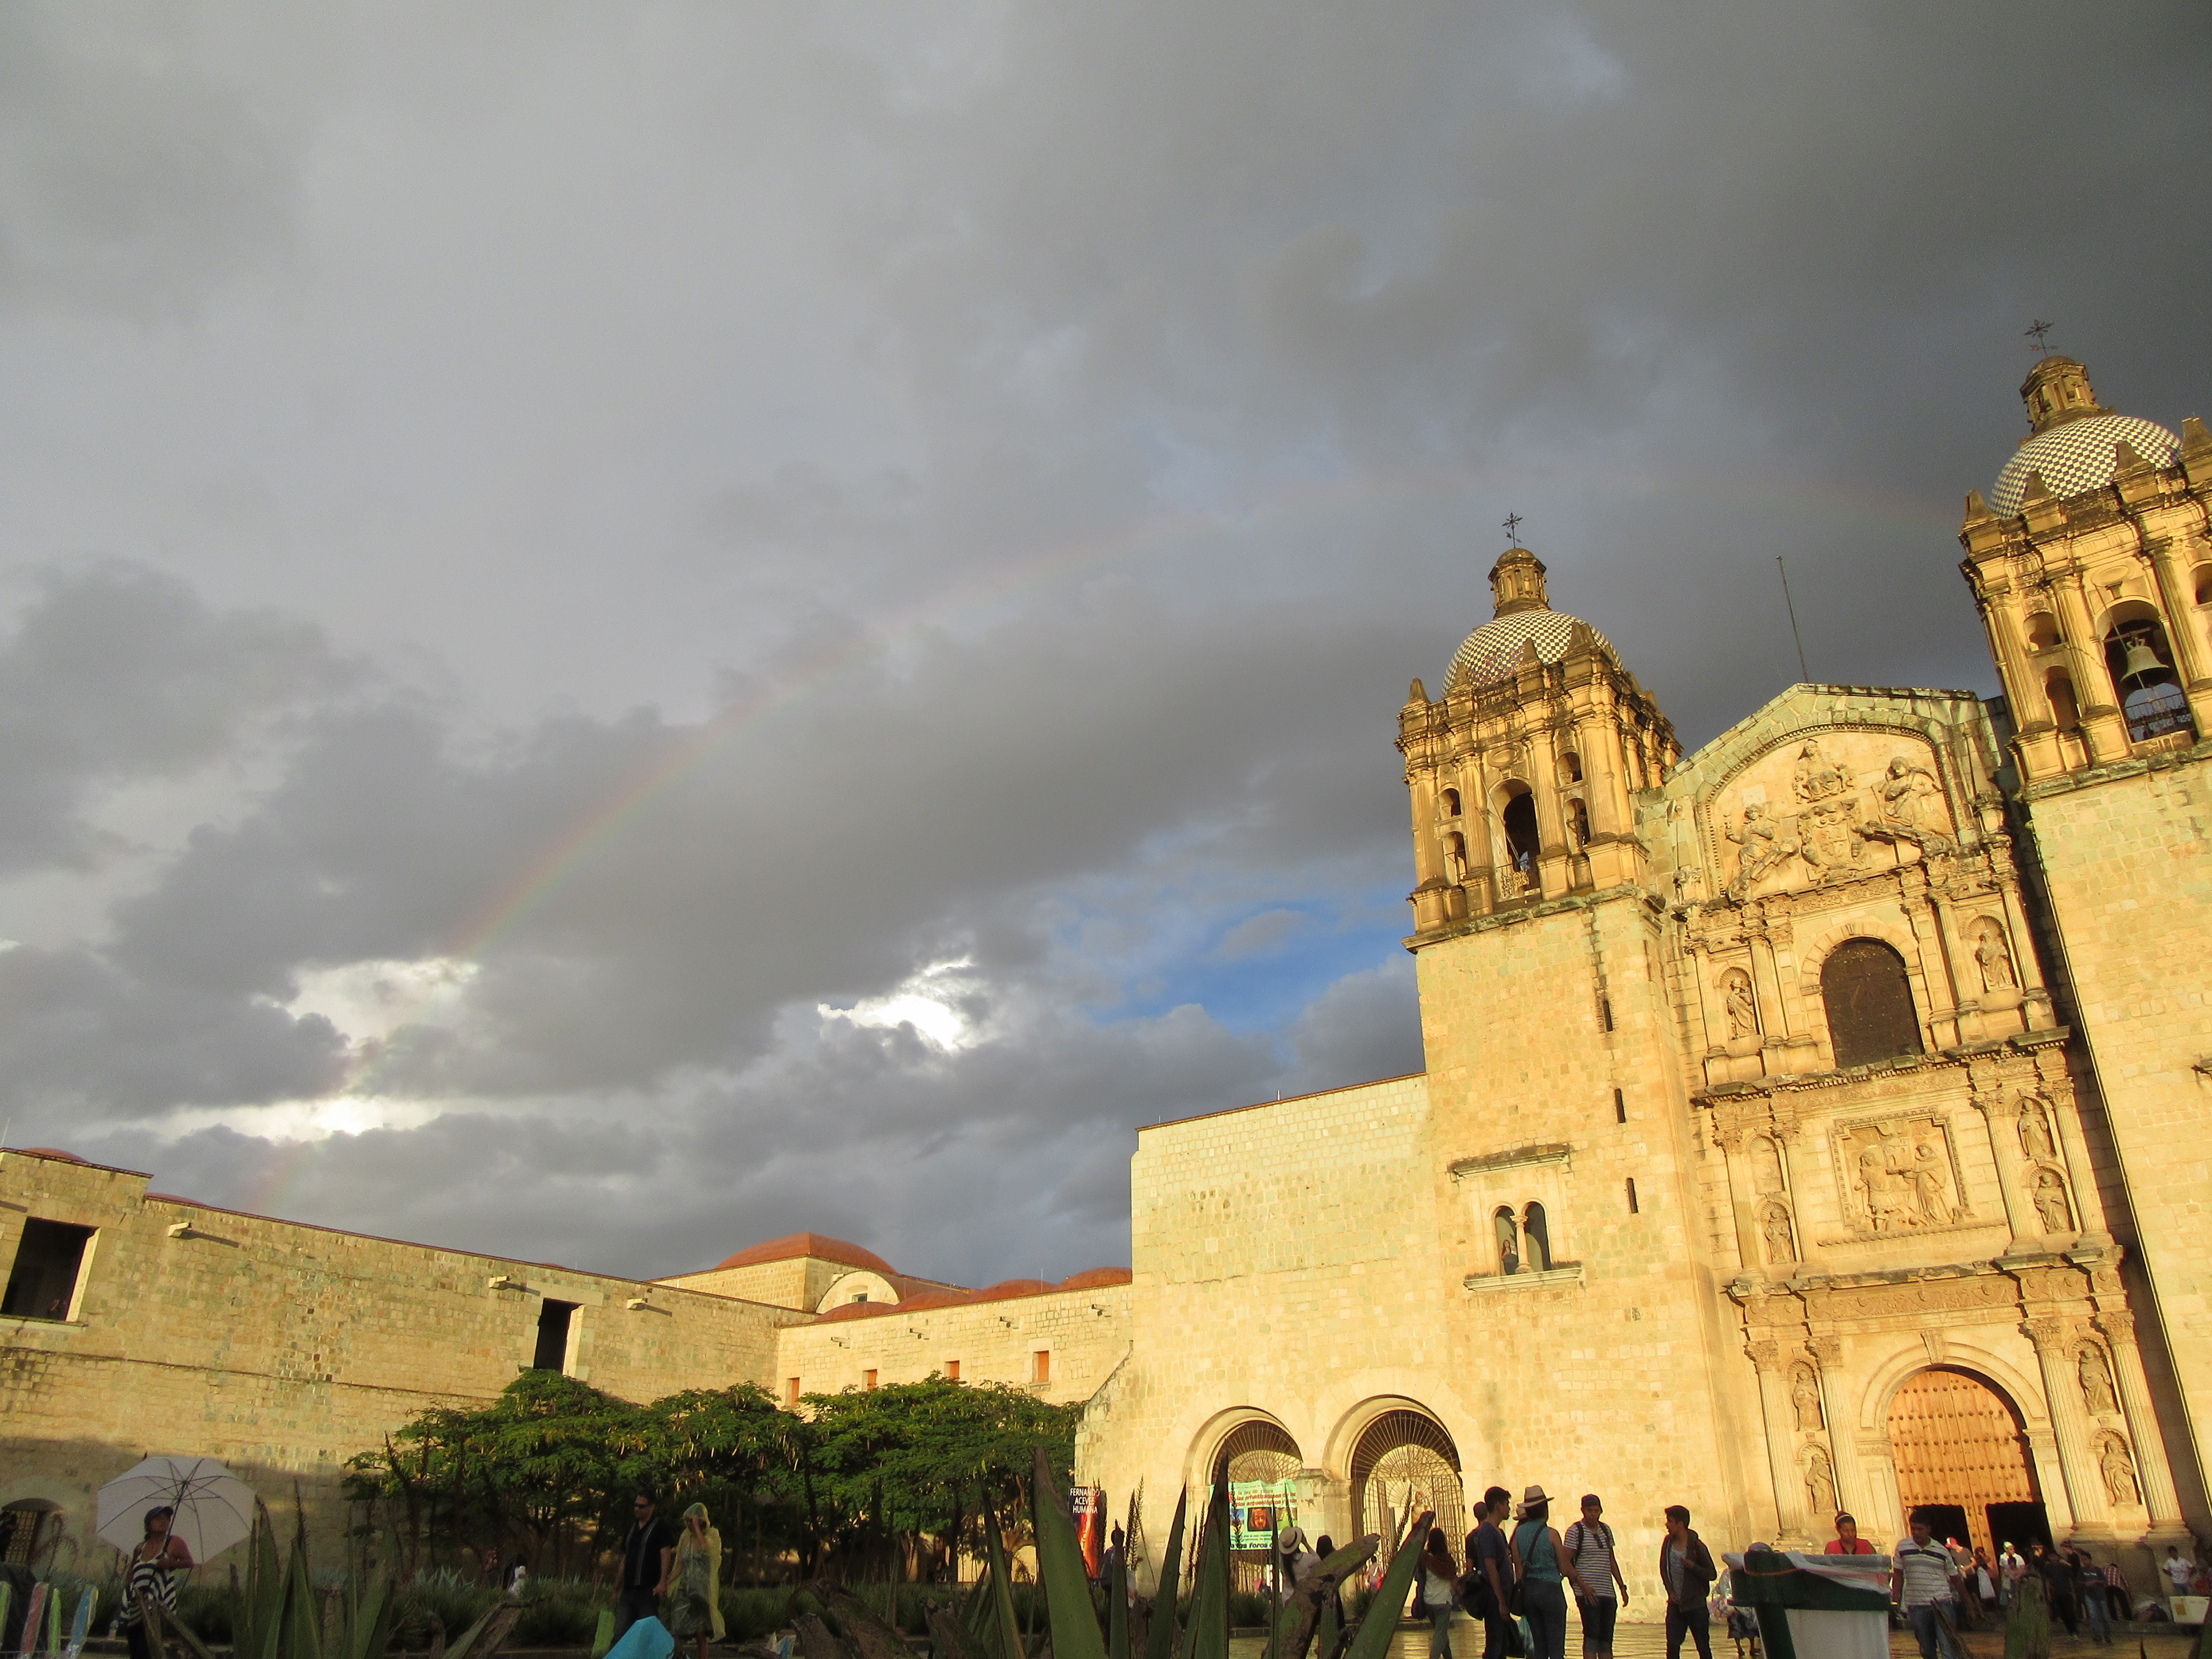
{"type": "Point", "coordinates": [694, 1607]}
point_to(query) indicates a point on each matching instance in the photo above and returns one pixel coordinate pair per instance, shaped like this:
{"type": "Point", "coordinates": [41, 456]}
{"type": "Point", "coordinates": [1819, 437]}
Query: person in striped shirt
{"type": "Point", "coordinates": [1596, 1572]}
{"type": "Point", "coordinates": [1924, 1581]}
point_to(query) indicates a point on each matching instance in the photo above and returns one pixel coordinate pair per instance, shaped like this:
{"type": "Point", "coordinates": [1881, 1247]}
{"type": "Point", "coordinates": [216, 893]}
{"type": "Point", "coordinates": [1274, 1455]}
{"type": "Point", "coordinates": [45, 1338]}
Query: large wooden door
{"type": "Point", "coordinates": [1956, 1441]}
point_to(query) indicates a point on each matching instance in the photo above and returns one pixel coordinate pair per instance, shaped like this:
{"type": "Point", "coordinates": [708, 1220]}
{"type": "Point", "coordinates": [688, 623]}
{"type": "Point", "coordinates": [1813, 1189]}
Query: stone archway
{"type": "Point", "coordinates": [1258, 1461]}
{"type": "Point", "coordinates": [1958, 1443]}
{"type": "Point", "coordinates": [1402, 1463]}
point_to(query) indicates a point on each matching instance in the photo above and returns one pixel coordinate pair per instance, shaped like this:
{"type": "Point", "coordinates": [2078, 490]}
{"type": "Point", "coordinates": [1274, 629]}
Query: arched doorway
{"type": "Point", "coordinates": [1403, 1463]}
{"type": "Point", "coordinates": [1959, 1445]}
{"type": "Point", "coordinates": [1868, 998]}
{"type": "Point", "coordinates": [1258, 1461]}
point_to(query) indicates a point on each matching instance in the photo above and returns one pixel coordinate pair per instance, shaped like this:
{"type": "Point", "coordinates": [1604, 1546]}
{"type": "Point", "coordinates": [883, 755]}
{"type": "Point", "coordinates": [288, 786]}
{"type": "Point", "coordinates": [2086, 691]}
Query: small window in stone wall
{"type": "Point", "coordinates": [1632, 1206]}
{"type": "Point", "coordinates": [1868, 998]}
{"type": "Point", "coordinates": [49, 1257]}
{"type": "Point", "coordinates": [1536, 1232]}
{"type": "Point", "coordinates": [553, 1323]}
{"type": "Point", "coordinates": [1040, 1365]}
{"type": "Point", "coordinates": [952, 1371]}
{"type": "Point", "coordinates": [1509, 1241]}
{"type": "Point", "coordinates": [791, 1393]}
{"type": "Point", "coordinates": [867, 1379]}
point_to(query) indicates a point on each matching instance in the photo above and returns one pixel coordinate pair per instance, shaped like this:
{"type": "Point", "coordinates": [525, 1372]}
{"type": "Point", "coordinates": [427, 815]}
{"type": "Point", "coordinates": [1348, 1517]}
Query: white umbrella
{"type": "Point", "coordinates": [215, 1508]}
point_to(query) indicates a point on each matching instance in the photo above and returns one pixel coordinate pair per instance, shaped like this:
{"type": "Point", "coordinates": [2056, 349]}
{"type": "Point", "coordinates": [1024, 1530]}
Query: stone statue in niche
{"type": "Point", "coordinates": [2035, 1129]}
{"type": "Point", "coordinates": [1781, 1246]}
{"type": "Point", "coordinates": [1995, 962]}
{"type": "Point", "coordinates": [1820, 1484]}
{"type": "Point", "coordinates": [1765, 1164]}
{"type": "Point", "coordinates": [1805, 1401]}
{"type": "Point", "coordinates": [1760, 846]}
{"type": "Point", "coordinates": [2096, 1382]}
{"type": "Point", "coordinates": [2050, 1195]}
{"type": "Point", "coordinates": [2119, 1472]}
{"type": "Point", "coordinates": [1742, 1006]}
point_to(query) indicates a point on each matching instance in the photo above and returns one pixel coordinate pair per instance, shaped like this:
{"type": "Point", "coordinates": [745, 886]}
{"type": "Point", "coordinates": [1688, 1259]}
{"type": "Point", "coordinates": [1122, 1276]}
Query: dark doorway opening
{"type": "Point", "coordinates": [1947, 1522]}
{"type": "Point", "coordinates": [553, 1336]}
{"type": "Point", "coordinates": [2019, 1525]}
{"type": "Point", "coordinates": [1869, 1004]}
{"type": "Point", "coordinates": [48, 1259]}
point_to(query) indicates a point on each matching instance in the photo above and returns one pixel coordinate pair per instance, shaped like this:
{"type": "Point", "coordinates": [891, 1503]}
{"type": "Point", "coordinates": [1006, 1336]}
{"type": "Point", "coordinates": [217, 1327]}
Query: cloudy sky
{"type": "Point", "coordinates": [624, 629]}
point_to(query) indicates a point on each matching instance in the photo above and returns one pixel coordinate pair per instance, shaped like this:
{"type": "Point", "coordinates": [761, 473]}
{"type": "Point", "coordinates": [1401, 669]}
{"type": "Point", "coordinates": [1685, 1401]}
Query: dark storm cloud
{"type": "Point", "coordinates": [1072, 427]}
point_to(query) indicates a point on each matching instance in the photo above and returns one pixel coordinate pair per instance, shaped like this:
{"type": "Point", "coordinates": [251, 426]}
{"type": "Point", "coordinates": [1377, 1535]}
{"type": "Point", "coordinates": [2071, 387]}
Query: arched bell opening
{"type": "Point", "coordinates": [1523, 844]}
{"type": "Point", "coordinates": [2065, 708]}
{"type": "Point", "coordinates": [1404, 1464]}
{"type": "Point", "coordinates": [2140, 659]}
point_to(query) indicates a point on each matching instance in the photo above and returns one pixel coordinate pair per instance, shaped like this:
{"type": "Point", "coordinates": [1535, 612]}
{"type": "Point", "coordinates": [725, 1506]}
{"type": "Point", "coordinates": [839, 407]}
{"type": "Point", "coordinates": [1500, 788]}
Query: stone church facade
{"type": "Point", "coordinates": [1817, 1120]}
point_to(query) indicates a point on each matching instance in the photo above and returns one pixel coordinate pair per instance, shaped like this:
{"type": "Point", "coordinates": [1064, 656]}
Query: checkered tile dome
{"type": "Point", "coordinates": [2078, 455]}
{"type": "Point", "coordinates": [1492, 655]}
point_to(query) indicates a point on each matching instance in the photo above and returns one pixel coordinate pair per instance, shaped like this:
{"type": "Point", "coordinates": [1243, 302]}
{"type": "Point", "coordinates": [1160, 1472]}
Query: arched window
{"type": "Point", "coordinates": [1869, 1003]}
{"type": "Point", "coordinates": [2204, 584]}
{"type": "Point", "coordinates": [1520, 838]}
{"type": "Point", "coordinates": [1578, 824]}
{"type": "Point", "coordinates": [1571, 768]}
{"type": "Point", "coordinates": [1509, 1241]}
{"type": "Point", "coordinates": [1447, 803]}
{"type": "Point", "coordinates": [2043, 631]}
{"type": "Point", "coordinates": [1537, 1234]}
{"type": "Point", "coordinates": [2066, 713]}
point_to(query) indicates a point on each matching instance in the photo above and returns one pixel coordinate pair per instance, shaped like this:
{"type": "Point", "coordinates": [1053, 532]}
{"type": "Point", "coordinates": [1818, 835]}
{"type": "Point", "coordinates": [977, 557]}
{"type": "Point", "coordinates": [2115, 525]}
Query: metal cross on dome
{"type": "Point", "coordinates": [2036, 330]}
{"type": "Point", "coordinates": [1512, 529]}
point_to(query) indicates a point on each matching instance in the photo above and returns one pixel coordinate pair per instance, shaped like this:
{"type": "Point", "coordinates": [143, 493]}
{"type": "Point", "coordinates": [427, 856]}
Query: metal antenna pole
{"type": "Point", "coordinates": [1803, 672]}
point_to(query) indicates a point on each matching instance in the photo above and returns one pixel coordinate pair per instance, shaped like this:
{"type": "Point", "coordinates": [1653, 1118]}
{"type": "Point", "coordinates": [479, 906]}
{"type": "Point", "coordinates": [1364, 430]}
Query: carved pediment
{"type": "Point", "coordinates": [1823, 806]}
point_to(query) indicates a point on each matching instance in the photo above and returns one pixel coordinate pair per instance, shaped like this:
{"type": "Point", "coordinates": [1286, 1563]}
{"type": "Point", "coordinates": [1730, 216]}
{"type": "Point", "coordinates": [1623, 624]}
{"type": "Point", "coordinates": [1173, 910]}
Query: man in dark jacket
{"type": "Point", "coordinates": [1686, 1568]}
{"type": "Point", "coordinates": [647, 1548]}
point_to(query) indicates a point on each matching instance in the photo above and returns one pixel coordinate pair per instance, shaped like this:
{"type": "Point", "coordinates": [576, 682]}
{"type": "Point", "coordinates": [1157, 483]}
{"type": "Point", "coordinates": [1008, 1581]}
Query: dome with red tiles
{"type": "Point", "coordinates": [792, 1245]}
{"type": "Point", "coordinates": [1096, 1279]}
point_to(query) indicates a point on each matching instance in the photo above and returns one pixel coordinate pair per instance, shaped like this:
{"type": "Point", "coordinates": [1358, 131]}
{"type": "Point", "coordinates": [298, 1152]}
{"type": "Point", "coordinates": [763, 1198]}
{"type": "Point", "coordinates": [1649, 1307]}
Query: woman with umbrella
{"type": "Point", "coordinates": [155, 1564]}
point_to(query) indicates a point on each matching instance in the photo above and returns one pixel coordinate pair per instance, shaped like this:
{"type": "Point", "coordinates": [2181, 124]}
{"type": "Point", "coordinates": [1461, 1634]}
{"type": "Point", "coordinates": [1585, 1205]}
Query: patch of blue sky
{"type": "Point", "coordinates": [1258, 971]}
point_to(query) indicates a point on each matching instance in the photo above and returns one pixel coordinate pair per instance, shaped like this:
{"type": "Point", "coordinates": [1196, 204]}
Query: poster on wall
{"type": "Point", "coordinates": [1086, 1506]}
{"type": "Point", "coordinates": [1258, 1509]}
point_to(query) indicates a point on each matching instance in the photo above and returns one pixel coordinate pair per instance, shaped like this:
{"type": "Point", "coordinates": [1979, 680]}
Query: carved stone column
{"type": "Point", "coordinates": [2179, 604]}
{"type": "Point", "coordinates": [1842, 1453]}
{"type": "Point", "coordinates": [2153, 1472]}
{"type": "Point", "coordinates": [2061, 1398]}
{"type": "Point", "coordinates": [1781, 1436]}
{"type": "Point", "coordinates": [1935, 968]}
{"type": "Point", "coordinates": [2000, 1117]}
{"type": "Point", "coordinates": [2080, 1180]}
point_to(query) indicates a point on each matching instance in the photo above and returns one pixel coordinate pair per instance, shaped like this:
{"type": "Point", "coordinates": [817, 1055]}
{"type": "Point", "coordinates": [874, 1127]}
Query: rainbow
{"type": "Point", "coordinates": [561, 854]}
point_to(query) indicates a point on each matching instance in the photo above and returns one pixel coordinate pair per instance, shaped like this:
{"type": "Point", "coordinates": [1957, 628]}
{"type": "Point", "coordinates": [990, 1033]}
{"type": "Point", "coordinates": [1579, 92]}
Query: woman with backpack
{"type": "Point", "coordinates": [1537, 1560]}
{"type": "Point", "coordinates": [1597, 1571]}
{"type": "Point", "coordinates": [1439, 1592]}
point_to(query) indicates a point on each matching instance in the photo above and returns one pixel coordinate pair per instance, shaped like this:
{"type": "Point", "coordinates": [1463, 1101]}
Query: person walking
{"type": "Point", "coordinates": [2011, 1569]}
{"type": "Point", "coordinates": [1847, 1541]}
{"type": "Point", "coordinates": [2089, 1590]}
{"type": "Point", "coordinates": [1686, 1568]}
{"type": "Point", "coordinates": [2057, 1577]}
{"type": "Point", "coordinates": [649, 1552]}
{"type": "Point", "coordinates": [1597, 1571]}
{"type": "Point", "coordinates": [2119, 1600]}
{"type": "Point", "coordinates": [695, 1603]}
{"type": "Point", "coordinates": [155, 1561]}
{"type": "Point", "coordinates": [1985, 1580]}
{"type": "Point", "coordinates": [1538, 1563]}
{"type": "Point", "coordinates": [1492, 1559]}
{"type": "Point", "coordinates": [2179, 1574]}
{"type": "Point", "coordinates": [1439, 1592]}
{"type": "Point", "coordinates": [1922, 1581]}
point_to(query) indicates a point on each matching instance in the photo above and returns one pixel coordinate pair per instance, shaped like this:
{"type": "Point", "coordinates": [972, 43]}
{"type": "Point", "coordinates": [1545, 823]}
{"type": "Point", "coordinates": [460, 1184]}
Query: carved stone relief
{"type": "Point", "coordinates": [2096, 1381]}
{"type": "Point", "coordinates": [1898, 1176]}
{"type": "Point", "coordinates": [1810, 816]}
{"type": "Point", "coordinates": [2035, 1129]}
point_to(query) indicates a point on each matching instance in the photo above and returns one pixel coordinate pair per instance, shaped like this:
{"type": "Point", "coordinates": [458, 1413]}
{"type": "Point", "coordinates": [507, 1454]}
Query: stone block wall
{"type": "Point", "coordinates": [1082, 1332]}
